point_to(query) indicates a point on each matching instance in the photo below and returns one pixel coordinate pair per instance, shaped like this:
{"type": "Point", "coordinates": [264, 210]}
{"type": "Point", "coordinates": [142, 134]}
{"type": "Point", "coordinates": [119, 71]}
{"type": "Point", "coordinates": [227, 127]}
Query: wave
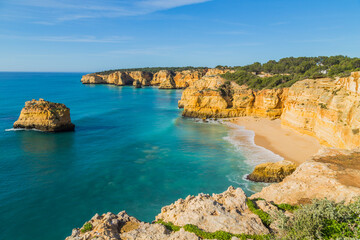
{"type": "Point", "coordinates": [21, 129]}
{"type": "Point", "coordinates": [244, 142]}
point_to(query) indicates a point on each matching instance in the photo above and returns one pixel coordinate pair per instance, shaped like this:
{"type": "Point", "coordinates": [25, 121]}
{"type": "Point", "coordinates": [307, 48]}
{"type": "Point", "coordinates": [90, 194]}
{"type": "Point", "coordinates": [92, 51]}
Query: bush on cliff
{"type": "Point", "coordinates": [323, 219]}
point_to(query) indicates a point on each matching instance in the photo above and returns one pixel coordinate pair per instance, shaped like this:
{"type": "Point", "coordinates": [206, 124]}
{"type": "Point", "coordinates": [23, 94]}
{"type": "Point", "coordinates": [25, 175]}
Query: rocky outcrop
{"type": "Point", "coordinates": [118, 78]}
{"type": "Point", "coordinates": [187, 78]}
{"type": "Point", "coordinates": [215, 97]}
{"type": "Point", "coordinates": [45, 116]}
{"type": "Point", "coordinates": [165, 79]}
{"type": "Point", "coordinates": [217, 71]}
{"type": "Point", "coordinates": [122, 226]}
{"type": "Point", "coordinates": [327, 109]}
{"type": "Point", "coordinates": [272, 172]}
{"type": "Point", "coordinates": [220, 212]}
{"type": "Point", "coordinates": [227, 211]}
{"type": "Point", "coordinates": [333, 174]}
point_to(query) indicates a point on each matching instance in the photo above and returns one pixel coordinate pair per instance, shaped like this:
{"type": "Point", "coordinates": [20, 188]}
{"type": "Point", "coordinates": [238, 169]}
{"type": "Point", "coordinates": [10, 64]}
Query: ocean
{"type": "Point", "coordinates": [131, 150]}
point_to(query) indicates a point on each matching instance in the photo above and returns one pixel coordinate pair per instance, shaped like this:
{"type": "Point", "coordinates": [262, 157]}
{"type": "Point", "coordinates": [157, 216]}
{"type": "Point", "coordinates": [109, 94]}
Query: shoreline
{"type": "Point", "coordinates": [287, 143]}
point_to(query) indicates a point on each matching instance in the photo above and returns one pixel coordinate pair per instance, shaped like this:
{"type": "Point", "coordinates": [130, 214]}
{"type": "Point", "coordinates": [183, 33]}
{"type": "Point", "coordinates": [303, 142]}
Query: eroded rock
{"type": "Point", "coordinates": [272, 172]}
{"type": "Point", "coordinates": [226, 212]}
{"type": "Point", "coordinates": [45, 116]}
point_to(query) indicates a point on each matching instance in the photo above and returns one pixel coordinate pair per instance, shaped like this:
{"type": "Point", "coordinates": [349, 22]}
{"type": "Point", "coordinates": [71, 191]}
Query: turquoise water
{"type": "Point", "coordinates": [131, 150]}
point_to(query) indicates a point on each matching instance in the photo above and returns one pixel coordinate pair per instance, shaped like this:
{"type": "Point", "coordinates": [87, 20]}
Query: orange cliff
{"type": "Point", "coordinates": [165, 79]}
{"type": "Point", "coordinates": [215, 97]}
{"type": "Point", "coordinates": [325, 108]}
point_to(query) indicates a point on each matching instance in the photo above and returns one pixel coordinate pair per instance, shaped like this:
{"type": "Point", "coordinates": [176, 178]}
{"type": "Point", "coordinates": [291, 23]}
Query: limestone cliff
{"type": "Point", "coordinates": [165, 79]}
{"type": "Point", "coordinates": [118, 78]}
{"type": "Point", "coordinates": [214, 97]}
{"type": "Point", "coordinates": [45, 116]}
{"type": "Point", "coordinates": [327, 109]}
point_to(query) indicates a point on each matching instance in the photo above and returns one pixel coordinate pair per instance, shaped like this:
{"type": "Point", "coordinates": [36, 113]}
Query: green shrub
{"type": "Point", "coordinates": [221, 235]}
{"type": "Point", "coordinates": [323, 219]}
{"type": "Point", "coordinates": [87, 227]}
{"type": "Point", "coordinates": [287, 207]}
{"type": "Point", "coordinates": [265, 217]}
{"type": "Point", "coordinates": [170, 226]}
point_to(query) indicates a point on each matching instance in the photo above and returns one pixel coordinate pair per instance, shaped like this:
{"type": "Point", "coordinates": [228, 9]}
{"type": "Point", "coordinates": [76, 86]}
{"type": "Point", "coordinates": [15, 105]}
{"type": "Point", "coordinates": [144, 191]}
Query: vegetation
{"type": "Point", "coordinates": [170, 226]}
{"type": "Point", "coordinates": [265, 217]}
{"type": "Point", "coordinates": [87, 227]}
{"type": "Point", "coordinates": [323, 219]}
{"type": "Point", "coordinates": [221, 235]}
{"type": "Point", "coordinates": [287, 207]}
{"type": "Point", "coordinates": [287, 71]}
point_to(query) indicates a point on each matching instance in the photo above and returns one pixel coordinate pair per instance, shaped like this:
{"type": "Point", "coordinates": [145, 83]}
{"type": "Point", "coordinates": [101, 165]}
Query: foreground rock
{"type": "Point", "coordinates": [121, 226]}
{"type": "Point", "coordinates": [333, 174]}
{"type": "Point", "coordinates": [220, 212]}
{"type": "Point", "coordinates": [226, 211]}
{"type": "Point", "coordinates": [45, 116]}
{"type": "Point", "coordinates": [272, 172]}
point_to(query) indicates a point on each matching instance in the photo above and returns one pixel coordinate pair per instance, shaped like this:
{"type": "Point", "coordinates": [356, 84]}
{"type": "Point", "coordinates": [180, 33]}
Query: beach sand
{"type": "Point", "coordinates": [285, 142]}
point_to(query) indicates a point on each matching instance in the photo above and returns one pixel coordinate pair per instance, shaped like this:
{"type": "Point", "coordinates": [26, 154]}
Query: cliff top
{"type": "Point", "coordinates": [41, 104]}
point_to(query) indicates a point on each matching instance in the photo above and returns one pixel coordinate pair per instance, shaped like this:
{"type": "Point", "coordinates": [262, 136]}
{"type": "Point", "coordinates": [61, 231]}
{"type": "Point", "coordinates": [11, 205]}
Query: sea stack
{"type": "Point", "coordinates": [45, 116]}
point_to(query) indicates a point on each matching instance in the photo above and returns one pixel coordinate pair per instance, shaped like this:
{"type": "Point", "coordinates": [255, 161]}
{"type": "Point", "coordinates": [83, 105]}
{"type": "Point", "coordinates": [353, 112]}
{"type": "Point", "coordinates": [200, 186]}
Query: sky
{"type": "Point", "coordinates": [96, 35]}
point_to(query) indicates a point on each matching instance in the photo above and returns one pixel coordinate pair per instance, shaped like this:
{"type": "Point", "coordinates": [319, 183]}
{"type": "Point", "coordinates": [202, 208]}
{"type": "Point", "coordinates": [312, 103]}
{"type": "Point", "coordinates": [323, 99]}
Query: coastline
{"type": "Point", "coordinates": [284, 142]}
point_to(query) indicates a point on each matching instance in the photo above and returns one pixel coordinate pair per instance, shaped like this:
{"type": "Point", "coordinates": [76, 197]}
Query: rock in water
{"type": "Point", "coordinates": [137, 84]}
{"type": "Point", "coordinates": [272, 172]}
{"type": "Point", "coordinates": [45, 116]}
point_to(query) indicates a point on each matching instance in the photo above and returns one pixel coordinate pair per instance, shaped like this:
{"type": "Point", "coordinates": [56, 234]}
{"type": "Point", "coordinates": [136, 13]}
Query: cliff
{"type": "Point", "coordinates": [215, 97]}
{"type": "Point", "coordinates": [325, 108]}
{"type": "Point", "coordinates": [165, 79]}
{"type": "Point", "coordinates": [45, 116]}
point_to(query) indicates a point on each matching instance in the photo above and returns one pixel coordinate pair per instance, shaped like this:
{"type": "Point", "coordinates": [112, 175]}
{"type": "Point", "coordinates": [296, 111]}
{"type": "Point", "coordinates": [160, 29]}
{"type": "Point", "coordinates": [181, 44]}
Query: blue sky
{"type": "Point", "coordinates": [94, 35]}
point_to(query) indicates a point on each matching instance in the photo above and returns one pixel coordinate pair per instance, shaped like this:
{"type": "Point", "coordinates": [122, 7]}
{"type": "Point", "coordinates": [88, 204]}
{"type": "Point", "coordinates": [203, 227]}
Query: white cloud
{"type": "Point", "coordinates": [82, 39]}
{"type": "Point", "coordinates": [66, 10]}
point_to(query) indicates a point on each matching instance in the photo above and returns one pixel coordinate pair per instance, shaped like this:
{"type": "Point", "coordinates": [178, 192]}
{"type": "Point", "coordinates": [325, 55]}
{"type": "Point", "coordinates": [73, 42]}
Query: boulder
{"type": "Point", "coordinates": [272, 172]}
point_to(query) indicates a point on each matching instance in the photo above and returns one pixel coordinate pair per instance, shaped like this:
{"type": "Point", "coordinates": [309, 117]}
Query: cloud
{"type": "Point", "coordinates": [82, 39]}
{"type": "Point", "coordinates": [66, 10]}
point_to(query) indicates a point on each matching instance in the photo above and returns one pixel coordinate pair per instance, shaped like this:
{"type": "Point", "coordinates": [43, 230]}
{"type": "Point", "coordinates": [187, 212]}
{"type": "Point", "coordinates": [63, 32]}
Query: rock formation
{"type": "Point", "coordinates": [226, 212]}
{"type": "Point", "coordinates": [45, 116]}
{"type": "Point", "coordinates": [118, 78]}
{"type": "Point", "coordinates": [332, 174]}
{"type": "Point", "coordinates": [327, 109]}
{"type": "Point", "coordinates": [165, 79]}
{"type": "Point", "coordinates": [272, 172]}
{"type": "Point", "coordinates": [214, 97]}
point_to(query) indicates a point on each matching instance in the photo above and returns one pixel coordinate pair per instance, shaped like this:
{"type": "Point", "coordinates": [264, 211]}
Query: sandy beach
{"type": "Point", "coordinates": [285, 142]}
